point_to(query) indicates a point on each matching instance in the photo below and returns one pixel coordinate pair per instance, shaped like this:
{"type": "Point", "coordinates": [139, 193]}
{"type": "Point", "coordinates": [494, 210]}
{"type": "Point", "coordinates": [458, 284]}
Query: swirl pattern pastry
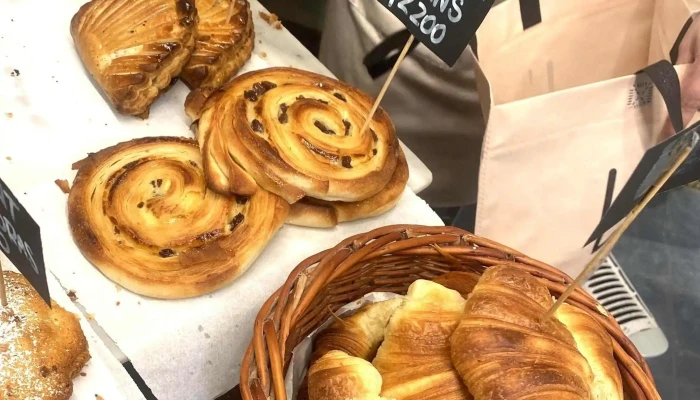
{"type": "Point", "coordinates": [326, 214]}
{"type": "Point", "coordinates": [140, 211]}
{"type": "Point", "coordinates": [296, 134]}
{"type": "Point", "coordinates": [222, 47]}
{"type": "Point", "coordinates": [134, 48]}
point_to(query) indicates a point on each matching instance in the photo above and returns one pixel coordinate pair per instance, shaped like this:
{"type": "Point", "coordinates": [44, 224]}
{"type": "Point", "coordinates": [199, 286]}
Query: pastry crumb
{"type": "Point", "coordinates": [118, 303]}
{"type": "Point", "coordinates": [263, 54]}
{"type": "Point", "coordinates": [15, 72]}
{"type": "Point", "coordinates": [83, 374]}
{"type": "Point", "coordinates": [9, 115]}
{"type": "Point", "coordinates": [98, 397]}
{"type": "Point", "coordinates": [72, 296]}
{"type": "Point", "coordinates": [90, 317]}
{"type": "Point", "coordinates": [139, 303]}
{"type": "Point", "coordinates": [63, 185]}
{"type": "Point", "coordinates": [8, 158]}
{"type": "Point", "coordinates": [271, 19]}
{"type": "Point", "coordinates": [119, 288]}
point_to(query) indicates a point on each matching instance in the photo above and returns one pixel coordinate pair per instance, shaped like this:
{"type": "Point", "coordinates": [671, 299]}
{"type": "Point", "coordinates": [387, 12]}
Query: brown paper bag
{"type": "Point", "coordinates": [567, 118]}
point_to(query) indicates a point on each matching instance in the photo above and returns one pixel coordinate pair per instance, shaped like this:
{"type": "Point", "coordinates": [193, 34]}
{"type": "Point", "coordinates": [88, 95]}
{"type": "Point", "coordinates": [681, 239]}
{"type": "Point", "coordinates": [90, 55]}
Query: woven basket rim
{"type": "Point", "coordinates": [297, 307]}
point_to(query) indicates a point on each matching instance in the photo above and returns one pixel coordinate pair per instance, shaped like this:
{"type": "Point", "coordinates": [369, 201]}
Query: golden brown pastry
{"type": "Point", "coordinates": [463, 282]}
{"type": "Point", "coordinates": [141, 212]}
{"type": "Point", "coordinates": [134, 48]}
{"type": "Point", "coordinates": [414, 359]}
{"type": "Point", "coordinates": [358, 335]}
{"type": "Point", "coordinates": [296, 134]}
{"type": "Point", "coordinates": [326, 214]}
{"type": "Point", "coordinates": [222, 47]}
{"type": "Point", "coordinates": [503, 350]}
{"type": "Point", "coordinates": [41, 349]}
{"type": "Point", "coordinates": [338, 376]}
{"type": "Point", "coordinates": [595, 344]}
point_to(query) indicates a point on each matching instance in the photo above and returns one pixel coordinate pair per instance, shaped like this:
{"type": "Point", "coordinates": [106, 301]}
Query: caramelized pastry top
{"type": "Point", "coordinates": [141, 212]}
{"type": "Point", "coordinates": [134, 48]}
{"type": "Point", "coordinates": [297, 134]}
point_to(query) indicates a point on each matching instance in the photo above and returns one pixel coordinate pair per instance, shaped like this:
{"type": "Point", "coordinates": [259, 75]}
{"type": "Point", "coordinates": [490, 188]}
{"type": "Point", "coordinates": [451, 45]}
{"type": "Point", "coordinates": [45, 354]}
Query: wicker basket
{"type": "Point", "coordinates": [389, 259]}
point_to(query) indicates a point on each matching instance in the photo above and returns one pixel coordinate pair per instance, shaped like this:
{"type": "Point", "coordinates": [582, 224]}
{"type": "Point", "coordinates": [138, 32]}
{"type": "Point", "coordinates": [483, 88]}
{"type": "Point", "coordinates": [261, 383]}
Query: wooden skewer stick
{"type": "Point", "coordinates": [386, 84]}
{"type": "Point", "coordinates": [610, 243]}
{"type": "Point", "coordinates": [3, 295]}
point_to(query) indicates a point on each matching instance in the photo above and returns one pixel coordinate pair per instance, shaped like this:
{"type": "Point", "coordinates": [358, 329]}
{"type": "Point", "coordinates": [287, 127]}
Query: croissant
{"type": "Point", "coordinates": [414, 359]}
{"type": "Point", "coordinates": [358, 335]}
{"type": "Point", "coordinates": [339, 376]}
{"type": "Point", "coordinates": [503, 350]}
{"type": "Point", "coordinates": [463, 282]}
{"type": "Point", "coordinates": [134, 48]}
{"type": "Point", "coordinates": [595, 344]}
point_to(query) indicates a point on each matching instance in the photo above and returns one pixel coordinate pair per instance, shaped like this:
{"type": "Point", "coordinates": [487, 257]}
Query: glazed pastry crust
{"type": "Point", "coordinates": [502, 349]}
{"type": "Point", "coordinates": [134, 48]}
{"type": "Point", "coordinates": [141, 212]}
{"type": "Point", "coordinates": [296, 134]}
{"type": "Point", "coordinates": [326, 214]}
{"type": "Point", "coordinates": [221, 49]}
{"type": "Point", "coordinates": [41, 349]}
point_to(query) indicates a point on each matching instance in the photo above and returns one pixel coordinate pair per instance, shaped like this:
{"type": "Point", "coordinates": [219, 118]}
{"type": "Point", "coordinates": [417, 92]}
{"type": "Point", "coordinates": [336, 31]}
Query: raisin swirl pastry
{"type": "Point", "coordinates": [140, 211]}
{"type": "Point", "coordinates": [222, 47]}
{"type": "Point", "coordinates": [134, 48]}
{"type": "Point", "coordinates": [296, 134]}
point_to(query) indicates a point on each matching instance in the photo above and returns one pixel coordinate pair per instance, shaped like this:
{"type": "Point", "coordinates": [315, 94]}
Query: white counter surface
{"type": "Point", "coordinates": [51, 115]}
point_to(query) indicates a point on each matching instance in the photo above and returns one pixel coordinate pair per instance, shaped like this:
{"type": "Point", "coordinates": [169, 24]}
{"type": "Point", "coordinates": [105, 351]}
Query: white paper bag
{"type": "Point", "coordinates": [567, 118]}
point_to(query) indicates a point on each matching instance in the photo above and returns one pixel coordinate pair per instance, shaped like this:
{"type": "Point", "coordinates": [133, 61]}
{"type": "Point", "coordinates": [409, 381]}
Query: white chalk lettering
{"type": "Point", "coordinates": [443, 4]}
{"type": "Point", "coordinates": [458, 11]}
{"type": "Point", "coordinates": [4, 244]}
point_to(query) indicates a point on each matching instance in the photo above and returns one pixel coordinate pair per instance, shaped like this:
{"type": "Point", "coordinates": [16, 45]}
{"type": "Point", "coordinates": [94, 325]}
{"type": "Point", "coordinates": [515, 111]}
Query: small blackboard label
{"type": "Point", "coordinates": [444, 26]}
{"type": "Point", "coordinates": [20, 240]}
{"type": "Point", "coordinates": [654, 163]}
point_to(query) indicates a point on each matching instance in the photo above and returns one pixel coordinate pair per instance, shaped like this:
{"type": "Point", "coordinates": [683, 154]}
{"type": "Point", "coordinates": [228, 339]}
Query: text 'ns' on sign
{"type": "Point", "coordinates": [20, 240]}
{"type": "Point", "coordinates": [444, 26]}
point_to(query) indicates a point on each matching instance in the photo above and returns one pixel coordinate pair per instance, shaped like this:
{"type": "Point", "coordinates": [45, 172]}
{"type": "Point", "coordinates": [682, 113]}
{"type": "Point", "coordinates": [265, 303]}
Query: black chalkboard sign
{"type": "Point", "coordinates": [444, 26]}
{"type": "Point", "coordinates": [20, 240]}
{"type": "Point", "coordinates": [654, 163]}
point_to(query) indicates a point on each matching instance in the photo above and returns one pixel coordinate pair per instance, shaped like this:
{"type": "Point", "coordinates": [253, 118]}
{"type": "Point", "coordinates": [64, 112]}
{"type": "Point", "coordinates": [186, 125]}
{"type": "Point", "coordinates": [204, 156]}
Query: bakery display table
{"type": "Point", "coordinates": [51, 115]}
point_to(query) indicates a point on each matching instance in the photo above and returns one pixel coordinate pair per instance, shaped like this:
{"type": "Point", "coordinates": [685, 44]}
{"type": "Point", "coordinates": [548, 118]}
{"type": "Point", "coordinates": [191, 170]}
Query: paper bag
{"type": "Point", "coordinates": [568, 116]}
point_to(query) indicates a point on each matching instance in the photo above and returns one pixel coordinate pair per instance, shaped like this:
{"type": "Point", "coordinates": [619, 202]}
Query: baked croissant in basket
{"type": "Point", "coordinates": [594, 343]}
{"type": "Point", "coordinates": [338, 376]}
{"type": "Point", "coordinates": [504, 351]}
{"type": "Point", "coordinates": [414, 359]}
{"type": "Point", "coordinates": [358, 335]}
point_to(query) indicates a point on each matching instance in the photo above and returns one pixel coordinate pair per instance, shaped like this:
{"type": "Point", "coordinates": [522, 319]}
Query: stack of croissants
{"type": "Point", "coordinates": [462, 337]}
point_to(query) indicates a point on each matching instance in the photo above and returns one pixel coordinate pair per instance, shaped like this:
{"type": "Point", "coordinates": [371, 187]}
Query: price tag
{"type": "Point", "coordinates": [654, 163]}
{"type": "Point", "coordinates": [20, 241]}
{"type": "Point", "coordinates": [444, 26]}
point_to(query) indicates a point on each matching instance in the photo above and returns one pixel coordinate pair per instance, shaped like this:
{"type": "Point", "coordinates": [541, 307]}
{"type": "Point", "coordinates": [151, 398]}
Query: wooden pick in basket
{"type": "Point", "coordinates": [617, 234]}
